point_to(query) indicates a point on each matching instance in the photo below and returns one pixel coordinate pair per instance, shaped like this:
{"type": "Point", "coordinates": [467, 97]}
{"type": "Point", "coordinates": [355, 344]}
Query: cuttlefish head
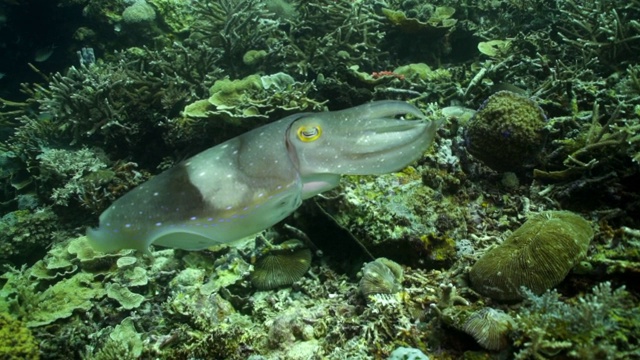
{"type": "Point", "coordinates": [364, 140]}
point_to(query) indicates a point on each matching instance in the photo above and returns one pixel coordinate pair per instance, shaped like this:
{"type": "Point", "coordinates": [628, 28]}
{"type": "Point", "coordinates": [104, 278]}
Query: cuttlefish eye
{"type": "Point", "coordinates": [309, 133]}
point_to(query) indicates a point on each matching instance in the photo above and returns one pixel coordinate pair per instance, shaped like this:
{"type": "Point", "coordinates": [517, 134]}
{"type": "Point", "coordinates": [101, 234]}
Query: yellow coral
{"type": "Point", "coordinates": [16, 341]}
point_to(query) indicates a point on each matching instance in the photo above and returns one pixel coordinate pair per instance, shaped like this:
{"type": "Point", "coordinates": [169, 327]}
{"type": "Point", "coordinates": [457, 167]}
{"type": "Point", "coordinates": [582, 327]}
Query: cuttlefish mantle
{"type": "Point", "coordinates": [255, 180]}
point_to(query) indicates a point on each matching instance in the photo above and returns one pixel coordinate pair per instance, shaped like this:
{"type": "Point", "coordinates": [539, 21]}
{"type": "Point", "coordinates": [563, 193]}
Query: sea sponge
{"type": "Point", "coordinates": [507, 132]}
{"type": "Point", "coordinates": [538, 256]}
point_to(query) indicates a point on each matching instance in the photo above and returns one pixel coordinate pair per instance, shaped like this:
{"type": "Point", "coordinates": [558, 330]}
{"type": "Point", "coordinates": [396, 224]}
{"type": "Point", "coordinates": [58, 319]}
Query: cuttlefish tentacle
{"type": "Point", "coordinates": [255, 180]}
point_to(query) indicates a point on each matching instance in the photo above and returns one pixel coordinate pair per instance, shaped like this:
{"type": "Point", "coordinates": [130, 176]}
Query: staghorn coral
{"type": "Point", "coordinates": [64, 171]}
{"type": "Point", "coordinates": [232, 26]}
{"type": "Point", "coordinates": [603, 29]}
{"type": "Point", "coordinates": [591, 165]}
{"type": "Point", "coordinates": [118, 104]}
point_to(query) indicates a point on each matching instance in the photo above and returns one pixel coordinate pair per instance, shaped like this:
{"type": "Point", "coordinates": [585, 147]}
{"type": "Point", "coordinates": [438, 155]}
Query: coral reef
{"type": "Point", "coordinates": [23, 234]}
{"type": "Point", "coordinates": [408, 222]}
{"type": "Point", "coordinates": [124, 89]}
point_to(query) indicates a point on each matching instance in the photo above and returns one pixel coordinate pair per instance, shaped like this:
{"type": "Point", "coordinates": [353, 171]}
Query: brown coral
{"type": "Point", "coordinates": [538, 256]}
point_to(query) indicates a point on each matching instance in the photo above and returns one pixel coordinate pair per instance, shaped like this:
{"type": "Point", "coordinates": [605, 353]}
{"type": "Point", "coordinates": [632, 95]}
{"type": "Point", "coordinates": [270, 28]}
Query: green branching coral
{"type": "Point", "coordinates": [598, 151]}
{"type": "Point", "coordinates": [594, 144]}
{"type": "Point", "coordinates": [118, 105]}
{"type": "Point", "coordinates": [599, 325]}
{"type": "Point", "coordinates": [114, 105]}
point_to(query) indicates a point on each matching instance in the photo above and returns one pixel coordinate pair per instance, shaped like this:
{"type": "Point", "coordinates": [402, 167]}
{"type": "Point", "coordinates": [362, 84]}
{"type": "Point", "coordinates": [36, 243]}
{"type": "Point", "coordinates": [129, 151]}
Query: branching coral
{"type": "Point", "coordinates": [587, 151]}
{"type": "Point", "coordinates": [120, 105]}
{"type": "Point", "coordinates": [236, 26]}
{"type": "Point", "coordinates": [597, 155]}
{"type": "Point", "coordinates": [593, 326]}
{"type": "Point", "coordinates": [606, 29]}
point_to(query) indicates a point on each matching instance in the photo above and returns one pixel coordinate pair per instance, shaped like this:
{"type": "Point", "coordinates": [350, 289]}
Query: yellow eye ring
{"type": "Point", "coordinates": [309, 133]}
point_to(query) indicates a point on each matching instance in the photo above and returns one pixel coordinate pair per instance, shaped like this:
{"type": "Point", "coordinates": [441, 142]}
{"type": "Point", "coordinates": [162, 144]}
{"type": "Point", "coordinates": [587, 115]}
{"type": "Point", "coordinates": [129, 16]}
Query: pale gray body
{"type": "Point", "coordinates": [253, 181]}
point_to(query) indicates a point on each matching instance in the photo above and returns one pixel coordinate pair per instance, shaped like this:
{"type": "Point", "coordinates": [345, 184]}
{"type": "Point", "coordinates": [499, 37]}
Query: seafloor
{"type": "Point", "coordinates": [516, 235]}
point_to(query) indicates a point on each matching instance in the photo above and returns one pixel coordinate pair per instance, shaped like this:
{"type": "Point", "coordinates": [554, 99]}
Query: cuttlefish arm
{"type": "Point", "coordinates": [255, 180]}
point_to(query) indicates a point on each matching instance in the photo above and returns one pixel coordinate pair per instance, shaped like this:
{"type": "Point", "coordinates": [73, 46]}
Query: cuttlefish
{"type": "Point", "coordinates": [251, 182]}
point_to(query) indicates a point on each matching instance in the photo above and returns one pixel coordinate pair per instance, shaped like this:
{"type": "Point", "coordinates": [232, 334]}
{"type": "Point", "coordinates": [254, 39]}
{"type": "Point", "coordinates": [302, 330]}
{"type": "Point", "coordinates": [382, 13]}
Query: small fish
{"type": "Point", "coordinates": [43, 54]}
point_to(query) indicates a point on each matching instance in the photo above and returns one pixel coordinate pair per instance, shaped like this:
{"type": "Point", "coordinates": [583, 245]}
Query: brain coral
{"type": "Point", "coordinates": [507, 132]}
{"type": "Point", "coordinates": [538, 255]}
